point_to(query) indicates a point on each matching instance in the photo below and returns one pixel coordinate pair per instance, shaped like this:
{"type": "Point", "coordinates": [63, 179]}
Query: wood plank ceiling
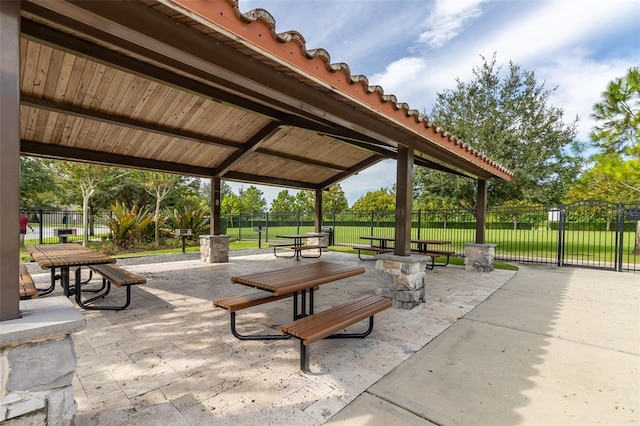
{"type": "Point", "coordinates": [156, 86]}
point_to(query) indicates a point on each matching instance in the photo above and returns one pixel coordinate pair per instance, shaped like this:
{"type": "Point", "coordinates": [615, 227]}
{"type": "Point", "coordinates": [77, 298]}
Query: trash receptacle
{"type": "Point", "coordinates": [328, 230]}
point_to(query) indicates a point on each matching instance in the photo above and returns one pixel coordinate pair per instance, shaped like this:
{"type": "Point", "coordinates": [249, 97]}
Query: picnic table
{"type": "Point", "coordinates": [298, 244]}
{"type": "Point", "coordinates": [306, 326]}
{"type": "Point", "coordinates": [65, 256]}
{"type": "Point", "coordinates": [423, 247]}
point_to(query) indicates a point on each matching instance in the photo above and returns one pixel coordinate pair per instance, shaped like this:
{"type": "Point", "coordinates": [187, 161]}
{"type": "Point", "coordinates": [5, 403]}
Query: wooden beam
{"type": "Point", "coordinates": [57, 152]}
{"type": "Point", "coordinates": [248, 147]}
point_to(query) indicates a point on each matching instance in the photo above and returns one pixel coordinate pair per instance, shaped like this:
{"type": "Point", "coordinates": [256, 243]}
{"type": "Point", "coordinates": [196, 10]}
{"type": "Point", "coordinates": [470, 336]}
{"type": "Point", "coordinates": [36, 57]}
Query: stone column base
{"type": "Point", "coordinates": [318, 241]}
{"type": "Point", "coordinates": [401, 279]}
{"type": "Point", "coordinates": [479, 257]}
{"type": "Point", "coordinates": [37, 362]}
{"type": "Point", "coordinates": [214, 248]}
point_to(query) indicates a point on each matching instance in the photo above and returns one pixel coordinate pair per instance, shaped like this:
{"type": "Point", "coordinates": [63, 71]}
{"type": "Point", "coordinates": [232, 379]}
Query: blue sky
{"type": "Point", "coordinates": [417, 48]}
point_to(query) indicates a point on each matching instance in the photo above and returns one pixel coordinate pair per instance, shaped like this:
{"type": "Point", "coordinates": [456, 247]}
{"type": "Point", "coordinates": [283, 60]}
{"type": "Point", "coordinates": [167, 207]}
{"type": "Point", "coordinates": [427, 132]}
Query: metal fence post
{"type": "Point", "coordinates": [373, 212]}
{"type": "Point", "coordinates": [41, 219]}
{"type": "Point", "coordinates": [561, 220]}
{"type": "Point", "coordinates": [620, 238]}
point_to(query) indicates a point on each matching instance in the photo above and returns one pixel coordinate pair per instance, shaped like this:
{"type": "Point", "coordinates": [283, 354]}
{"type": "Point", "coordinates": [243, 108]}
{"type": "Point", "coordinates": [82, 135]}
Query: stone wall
{"type": "Point", "coordinates": [479, 257]}
{"type": "Point", "coordinates": [37, 363]}
{"type": "Point", "coordinates": [401, 279]}
{"type": "Point", "coordinates": [214, 248]}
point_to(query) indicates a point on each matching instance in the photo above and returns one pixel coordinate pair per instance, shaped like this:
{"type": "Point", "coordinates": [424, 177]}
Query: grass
{"type": "Point", "coordinates": [240, 245]}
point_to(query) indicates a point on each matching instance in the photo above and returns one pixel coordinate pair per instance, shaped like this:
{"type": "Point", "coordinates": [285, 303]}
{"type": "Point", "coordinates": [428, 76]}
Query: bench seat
{"type": "Point", "coordinates": [327, 323]}
{"type": "Point", "coordinates": [244, 301]}
{"type": "Point", "coordinates": [371, 248]}
{"type": "Point", "coordinates": [28, 288]}
{"type": "Point", "coordinates": [434, 254]}
{"type": "Point", "coordinates": [111, 274]}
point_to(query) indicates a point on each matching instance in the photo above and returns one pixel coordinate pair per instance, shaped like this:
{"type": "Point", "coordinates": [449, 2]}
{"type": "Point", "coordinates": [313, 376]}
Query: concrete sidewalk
{"type": "Point", "coordinates": [550, 347]}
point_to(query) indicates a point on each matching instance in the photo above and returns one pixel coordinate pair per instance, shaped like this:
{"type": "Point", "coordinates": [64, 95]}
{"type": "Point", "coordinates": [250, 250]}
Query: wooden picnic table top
{"type": "Point", "coordinates": [64, 255]}
{"type": "Point", "coordinates": [298, 278]}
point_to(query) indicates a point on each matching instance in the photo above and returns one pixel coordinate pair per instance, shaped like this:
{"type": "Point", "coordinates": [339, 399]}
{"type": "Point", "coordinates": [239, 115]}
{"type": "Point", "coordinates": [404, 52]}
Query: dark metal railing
{"type": "Point", "coordinates": [592, 234]}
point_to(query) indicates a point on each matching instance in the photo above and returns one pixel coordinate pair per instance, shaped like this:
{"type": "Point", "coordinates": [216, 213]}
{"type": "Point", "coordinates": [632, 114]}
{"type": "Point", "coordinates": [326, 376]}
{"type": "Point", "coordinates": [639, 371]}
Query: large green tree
{"type": "Point", "coordinates": [283, 203]}
{"type": "Point", "coordinates": [617, 135]}
{"type": "Point", "coordinates": [511, 120]}
{"type": "Point", "coordinates": [251, 200]}
{"type": "Point", "coordinates": [615, 173]}
{"type": "Point", "coordinates": [38, 184]}
{"type": "Point", "coordinates": [382, 199]}
{"type": "Point", "coordinates": [333, 199]}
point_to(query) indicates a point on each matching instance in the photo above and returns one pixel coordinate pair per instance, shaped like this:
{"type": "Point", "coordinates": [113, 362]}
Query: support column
{"type": "Point", "coordinates": [479, 257]}
{"type": "Point", "coordinates": [401, 279]}
{"type": "Point", "coordinates": [9, 159]}
{"type": "Point", "coordinates": [214, 248]}
{"type": "Point", "coordinates": [481, 211]}
{"type": "Point", "coordinates": [37, 362]}
{"type": "Point", "coordinates": [404, 190]}
{"type": "Point", "coordinates": [318, 211]}
{"type": "Point", "coordinates": [216, 202]}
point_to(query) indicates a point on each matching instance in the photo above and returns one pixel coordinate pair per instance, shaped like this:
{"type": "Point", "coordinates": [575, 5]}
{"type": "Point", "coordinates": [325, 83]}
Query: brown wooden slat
{"type": "Point", "coordinates": [289, 280]}
{"type": "Point", "coordinates": [322, 324]}
{"type": "Point", "coordinates": [236, 303]}
{"type": "Point", "coordinates": [118, 276]}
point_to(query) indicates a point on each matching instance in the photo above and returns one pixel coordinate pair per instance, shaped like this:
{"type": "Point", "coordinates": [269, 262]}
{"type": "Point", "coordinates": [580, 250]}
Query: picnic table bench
{"type": "Point", "coordinates": [375, 249]}
{"type": "Point", "coordinates": [28, 288]}
{"type": "Point", "coordinates": [326, 324]}
{"type": "Point", "coordinates": [111, 274]}
{"type": "Point", "coordinates": [434, 254]}
{"type": "Point", "coordinates": [236, 303]}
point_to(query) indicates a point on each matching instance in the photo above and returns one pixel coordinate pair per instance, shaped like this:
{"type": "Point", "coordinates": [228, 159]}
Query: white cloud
{"type": "Point", "coordinates": [448, 19]}
{"type": "Point", "coordinates": [414, 49]}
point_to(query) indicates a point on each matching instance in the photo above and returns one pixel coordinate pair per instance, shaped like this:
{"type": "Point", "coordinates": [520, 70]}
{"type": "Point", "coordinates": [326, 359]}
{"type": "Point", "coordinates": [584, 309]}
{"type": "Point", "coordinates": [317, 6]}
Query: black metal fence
{"type": "Point", "coordinates": [591, 234]}
{"type": "Point", "coordinates": [45, 226]}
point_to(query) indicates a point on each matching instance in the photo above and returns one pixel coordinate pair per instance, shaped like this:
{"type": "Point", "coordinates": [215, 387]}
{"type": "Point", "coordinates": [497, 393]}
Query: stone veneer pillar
{"type": "Point", "coordinates": [318, 241]}
{"type": "Point", "coordinates": [401, 279]}
{"type": "Point", "coordinates": [479, 257]}
{"type": "Point", "coordinates": [37, 363]}
{"type": "Point", "coordinates": [214, 248]}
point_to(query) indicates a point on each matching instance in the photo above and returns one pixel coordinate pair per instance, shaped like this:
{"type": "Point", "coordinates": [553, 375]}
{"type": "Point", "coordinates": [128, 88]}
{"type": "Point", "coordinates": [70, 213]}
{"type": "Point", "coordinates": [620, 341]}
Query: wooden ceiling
{"type": "Point", "coordinates": [199, 89]}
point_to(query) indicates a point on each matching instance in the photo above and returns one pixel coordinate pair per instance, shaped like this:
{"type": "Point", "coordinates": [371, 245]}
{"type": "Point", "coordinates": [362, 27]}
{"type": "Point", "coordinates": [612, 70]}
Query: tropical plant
{"type": "Point", "coordinates": [128, 225]}
{"type": "Point", "coordinates": [192, 217]}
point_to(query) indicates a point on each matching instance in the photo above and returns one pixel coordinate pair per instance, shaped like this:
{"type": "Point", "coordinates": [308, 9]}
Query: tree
{"type": "Point", "coordinates": [283, 203]}
{"type": "Point", "coordinates": [252, 200]}
{"type": "Point", "coordinates": [158, 185]}
{"type": "Point", "coordinates": [305, 201]}
{"type": "Point", "coordinates": [511, 121]}
{"type": "Point", "coordinates": [382, 199]}
{"type": "Point", "coordinates": [615, 175]}
{"type": "Point", "coordinates": [334, 199]}
{"type": "Point", "coordinates": [83, 179]}
{"type": "Point", "coordinates": [37, 183]}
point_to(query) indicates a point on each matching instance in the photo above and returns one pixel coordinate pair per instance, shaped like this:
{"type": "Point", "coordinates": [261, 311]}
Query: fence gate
{"type": "Point", "coordinates": [597, 234]}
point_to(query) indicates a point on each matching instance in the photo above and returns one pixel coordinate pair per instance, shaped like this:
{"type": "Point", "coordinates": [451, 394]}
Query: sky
{"type": "Point", "coordinates": [415, 49]}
